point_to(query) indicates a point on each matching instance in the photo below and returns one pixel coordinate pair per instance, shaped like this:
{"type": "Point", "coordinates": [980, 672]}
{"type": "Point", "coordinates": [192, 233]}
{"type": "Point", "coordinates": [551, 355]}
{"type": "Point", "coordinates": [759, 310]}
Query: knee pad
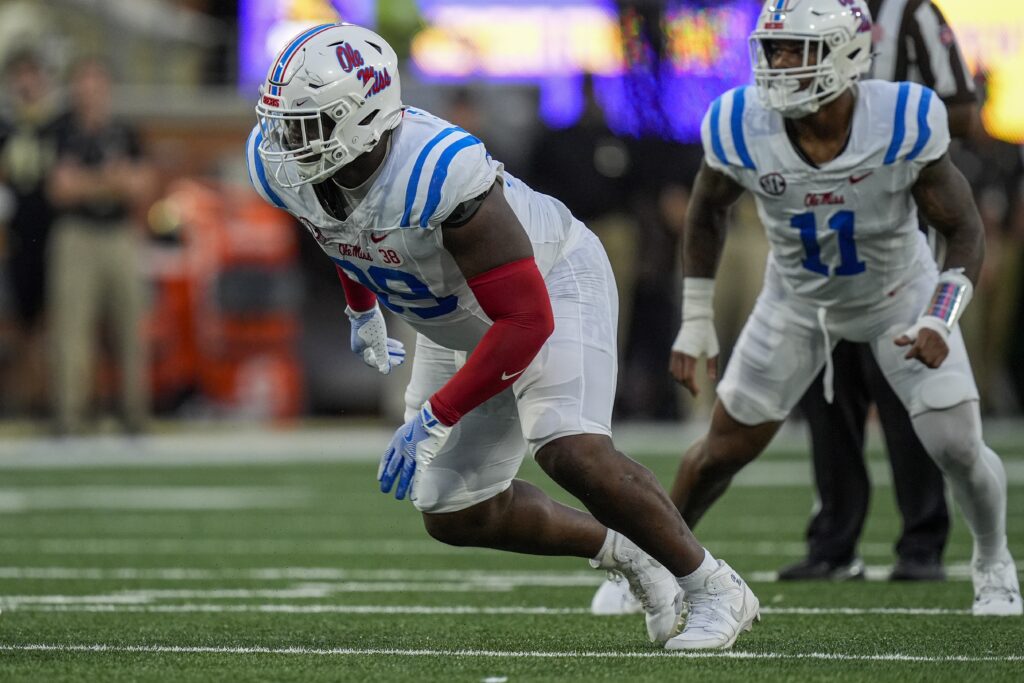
{"type": "Point", "coordinates": [952, 436]}
{"type": "Point", "coordinates": [942, 390]}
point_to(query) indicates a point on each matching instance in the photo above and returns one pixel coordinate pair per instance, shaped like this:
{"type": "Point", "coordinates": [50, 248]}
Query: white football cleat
{"type": "Point", "coordinates": [718, 613]}
{"type": "Point", "coordinates": [653, 586]}
{"type": "Point", "coordinates": [613, 598]}
{"type": "Point", "coordinates": [996, 588]}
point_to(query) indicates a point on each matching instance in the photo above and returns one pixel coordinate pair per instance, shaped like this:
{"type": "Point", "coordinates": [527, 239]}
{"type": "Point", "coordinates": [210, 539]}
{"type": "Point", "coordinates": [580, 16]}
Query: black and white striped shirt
{"type": "Point", "coordinates": [913, 42]}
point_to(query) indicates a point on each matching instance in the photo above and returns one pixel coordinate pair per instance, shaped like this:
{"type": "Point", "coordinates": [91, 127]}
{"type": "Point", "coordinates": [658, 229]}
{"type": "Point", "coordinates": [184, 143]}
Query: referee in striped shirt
{"type": "Point", "coordinates": [912, 42]}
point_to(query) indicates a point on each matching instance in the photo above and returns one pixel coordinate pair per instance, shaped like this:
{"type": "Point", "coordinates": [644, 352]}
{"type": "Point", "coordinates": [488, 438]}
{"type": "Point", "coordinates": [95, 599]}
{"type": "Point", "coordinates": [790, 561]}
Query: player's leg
{"type": "Point", "coordinates": [565, 403]}
{"type": "Point", "coordinates": [918, 484]}
{"type": "Point", "coordinates": [943, 404]}
{"type": "Point", "coordinates": [840, 473]}
{"type": "Point", "coordinates": [468, 496]}
{"type": "Point", "coordinates": [952, 437]}
{"type": "Point", "coordinates": [709, 465]}
{"type": "Point", "coordinates": [779, 352]}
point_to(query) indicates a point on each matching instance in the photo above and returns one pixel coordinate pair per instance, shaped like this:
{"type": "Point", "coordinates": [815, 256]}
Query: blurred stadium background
{"type": "Point", "coordinates": [594, 101]}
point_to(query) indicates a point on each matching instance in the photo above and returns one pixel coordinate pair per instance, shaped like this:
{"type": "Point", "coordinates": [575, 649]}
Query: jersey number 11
{"type": "Point", "coordinates": [842, 223]}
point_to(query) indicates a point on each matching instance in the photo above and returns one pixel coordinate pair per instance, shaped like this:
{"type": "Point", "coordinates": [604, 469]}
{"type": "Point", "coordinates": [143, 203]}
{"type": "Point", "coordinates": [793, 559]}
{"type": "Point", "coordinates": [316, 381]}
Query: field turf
{"type": "Point", "coordinates": [292, 568]}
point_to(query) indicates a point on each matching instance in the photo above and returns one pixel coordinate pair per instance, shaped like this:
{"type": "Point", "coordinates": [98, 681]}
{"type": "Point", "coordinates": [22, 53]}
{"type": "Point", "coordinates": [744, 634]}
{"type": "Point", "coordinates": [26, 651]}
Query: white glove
{"type": "Point", "coordinates": [697, 335]}
{"type": "Point", "coordinates": [370, 340]}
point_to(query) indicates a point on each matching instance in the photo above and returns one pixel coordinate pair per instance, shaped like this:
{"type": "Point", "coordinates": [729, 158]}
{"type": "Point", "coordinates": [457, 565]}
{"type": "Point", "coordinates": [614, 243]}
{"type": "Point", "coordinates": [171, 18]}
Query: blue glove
{"type": "Point", "coordinates": [370, 340]}
{"type": "Point", "coordinates": [414, 445]}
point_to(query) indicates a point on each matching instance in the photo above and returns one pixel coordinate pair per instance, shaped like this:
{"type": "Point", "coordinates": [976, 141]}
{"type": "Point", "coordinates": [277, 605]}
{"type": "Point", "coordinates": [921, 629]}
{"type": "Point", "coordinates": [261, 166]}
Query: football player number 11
{"type": "Point", "coordinates": [842, 223]}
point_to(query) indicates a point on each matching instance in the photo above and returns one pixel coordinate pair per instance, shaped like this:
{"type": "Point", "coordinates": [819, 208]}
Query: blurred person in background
{"type": "Point", "coordinates": [912, 42]}
{"type": "Point", "coordinates": [94, 260]}
{"type": "Point", "coordinates": [27, 153]}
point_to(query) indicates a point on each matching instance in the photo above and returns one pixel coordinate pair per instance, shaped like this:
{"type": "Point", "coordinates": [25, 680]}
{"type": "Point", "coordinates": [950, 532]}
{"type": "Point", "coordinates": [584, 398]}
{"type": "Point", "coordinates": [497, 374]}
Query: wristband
{"type": "Point", "coordinates": [952, 294]}
{"type": "Point", "coordinates": [698, 295]}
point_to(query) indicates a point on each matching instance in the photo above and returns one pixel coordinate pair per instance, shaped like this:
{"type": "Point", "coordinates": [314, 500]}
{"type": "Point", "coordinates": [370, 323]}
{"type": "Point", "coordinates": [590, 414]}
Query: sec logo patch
{"type": "Point", "coordinates": [773, 184]}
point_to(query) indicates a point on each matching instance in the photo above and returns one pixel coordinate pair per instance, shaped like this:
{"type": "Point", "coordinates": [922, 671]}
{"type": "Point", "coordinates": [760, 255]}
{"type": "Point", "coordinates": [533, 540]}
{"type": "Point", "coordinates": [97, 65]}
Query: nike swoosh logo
{"type": "Point", "coordinates": [375, 239]}
{"type": "Point", "coordinates": [854, 179]}
{"type": "Point", "coordinates": [505, 375]}
{"type": "Point", "coordinates": [737, 614]}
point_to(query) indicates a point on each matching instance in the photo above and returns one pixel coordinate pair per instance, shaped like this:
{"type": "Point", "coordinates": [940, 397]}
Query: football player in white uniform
{"type": "Point", "coordinates": [515, 307]}
{"type": "Point", "coordinates": [838, 170]}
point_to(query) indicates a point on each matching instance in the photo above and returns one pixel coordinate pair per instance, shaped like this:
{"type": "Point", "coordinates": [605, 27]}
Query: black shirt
{"type": "Point", "coordinates": [28, 150]}
{"type": "Point", "coordinates": [93, 149]}
{"type": "Point", "coordinates": [914, 42]}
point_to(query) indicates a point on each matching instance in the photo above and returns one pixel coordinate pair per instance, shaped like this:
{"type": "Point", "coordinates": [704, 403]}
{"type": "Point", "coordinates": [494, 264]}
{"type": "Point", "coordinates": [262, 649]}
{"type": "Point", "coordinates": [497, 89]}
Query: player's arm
{"type": "Point", "coordinates": [494, 254]}
{"type": "Point", "coordinates": [945, 200]}
{"type": "Point", "coordinates": [962, 117]}
{"type": "Point", "coordinates": [703, 238]}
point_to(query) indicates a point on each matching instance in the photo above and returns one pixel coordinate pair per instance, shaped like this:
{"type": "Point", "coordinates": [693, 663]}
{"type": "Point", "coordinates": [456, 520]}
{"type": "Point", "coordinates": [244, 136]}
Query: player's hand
{"type": "Point", "coordinates": [696, 339]}
{"type": "Point", "coordinates": [370, 340]}
{"type": "Point", "coordinates": [414, 446]}
{"type": "Point", "coordinates": [927, 341]}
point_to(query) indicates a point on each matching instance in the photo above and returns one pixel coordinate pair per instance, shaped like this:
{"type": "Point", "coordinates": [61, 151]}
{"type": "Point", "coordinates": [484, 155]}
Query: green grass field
{"type": "Point", "coordinates": [277, 570]}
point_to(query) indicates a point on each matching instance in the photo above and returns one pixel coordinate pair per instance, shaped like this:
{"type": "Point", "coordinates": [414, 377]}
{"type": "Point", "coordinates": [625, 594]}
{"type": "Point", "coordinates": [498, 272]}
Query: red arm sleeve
{"type": "Point", "coordinates": [515, 297]}
{"type": "Point", "coordinates": [359, 298]}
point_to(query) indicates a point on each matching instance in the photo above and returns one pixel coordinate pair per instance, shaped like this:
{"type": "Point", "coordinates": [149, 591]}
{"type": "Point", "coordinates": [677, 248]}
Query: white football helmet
{"type": "Point", "coordinates": [329, 96]}
{"type": "Point", "coordinates": [836, 36]}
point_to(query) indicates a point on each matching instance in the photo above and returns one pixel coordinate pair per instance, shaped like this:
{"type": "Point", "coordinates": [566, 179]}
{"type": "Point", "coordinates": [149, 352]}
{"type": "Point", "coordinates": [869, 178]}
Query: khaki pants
{"type": "Point", "coordinates": [93, 274]}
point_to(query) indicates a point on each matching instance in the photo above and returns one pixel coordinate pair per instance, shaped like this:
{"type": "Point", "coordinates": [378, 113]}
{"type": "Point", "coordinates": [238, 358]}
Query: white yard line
{"type": "Point", "coordinates": [498, 654]}
{"type": "Point", "coordinates": [154, 545]}
{"type": "Point", "coordinates": [127, 497]}
{"type": "Point", "coordinates": [441, 610]}
{"type": "Point", "coordinates": [522, 578]}
{"type": "Point", "coordinates": [483, 577]}
{"type": "Point", "coordinates": [252, 444]}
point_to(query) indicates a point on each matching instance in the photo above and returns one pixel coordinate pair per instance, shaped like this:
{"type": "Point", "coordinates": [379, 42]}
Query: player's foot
{"type": "Point", "coordinates": [908, 569]}
{"type": "Point", "coordinates": [651, 584]}
{"type": "Point", "coordinates": [718, 613]}
{"type": "Point", "coordinates": [613, 598]}
{"type": "Point", "coordinates": [823, 570]}
{"type": "Point", "coordinates": [996, 588]}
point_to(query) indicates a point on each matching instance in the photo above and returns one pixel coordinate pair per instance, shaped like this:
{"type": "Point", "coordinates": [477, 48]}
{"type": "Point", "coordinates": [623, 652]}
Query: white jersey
{"type": "Point", "coordinates": [845, 233]}
{"type": "Point", "coordinates": [391, 240]}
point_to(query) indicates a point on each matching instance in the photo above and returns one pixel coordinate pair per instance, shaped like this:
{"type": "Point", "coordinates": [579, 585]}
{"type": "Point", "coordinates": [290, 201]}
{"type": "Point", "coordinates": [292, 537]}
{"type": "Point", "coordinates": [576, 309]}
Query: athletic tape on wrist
{"type": "Point", "coordinates": [951, 297]}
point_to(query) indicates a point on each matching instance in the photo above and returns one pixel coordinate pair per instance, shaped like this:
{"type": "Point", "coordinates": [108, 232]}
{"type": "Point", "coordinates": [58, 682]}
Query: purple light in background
{"type": "Point", "coordinates": [259, 19]}
{"type": "Point", "coordinates": [705, 55]}
{"type": "Point", "coordinates": [561, 101]}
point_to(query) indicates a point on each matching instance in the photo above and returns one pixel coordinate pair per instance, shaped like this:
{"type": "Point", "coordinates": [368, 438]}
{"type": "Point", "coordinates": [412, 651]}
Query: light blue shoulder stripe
{"type": "Point", "coordinates": [255, 162]}
{"type": "Point", "coordinates": [899, 125]}
{"type": "Point", "coordinates": [440, 173]}
{"type": "Point", "coordinates": [738, 102]}
{"type": "Point", "coordinates": [261, 173]}
{"type": "Point", "coordinates": [924, 131]}
{"type": "Point", "coordinates": [716, 137]}
{"type": "Point", "coordinates": [417, 170]}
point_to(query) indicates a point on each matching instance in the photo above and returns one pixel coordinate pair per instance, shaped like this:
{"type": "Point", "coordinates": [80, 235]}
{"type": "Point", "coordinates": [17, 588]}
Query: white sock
{"type": "Point", "coordinates": [695, 579]}
{"type": "Point", "coordinates": [606, 549]}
